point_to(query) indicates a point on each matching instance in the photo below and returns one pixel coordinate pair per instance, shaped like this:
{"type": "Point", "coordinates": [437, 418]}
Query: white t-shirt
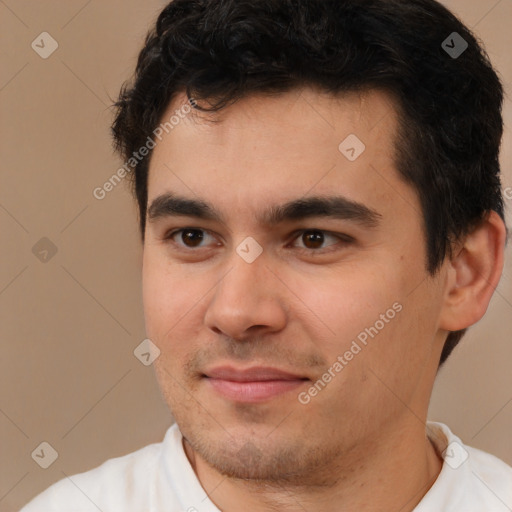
{"type": "Point", "coordinates": [159, 478]}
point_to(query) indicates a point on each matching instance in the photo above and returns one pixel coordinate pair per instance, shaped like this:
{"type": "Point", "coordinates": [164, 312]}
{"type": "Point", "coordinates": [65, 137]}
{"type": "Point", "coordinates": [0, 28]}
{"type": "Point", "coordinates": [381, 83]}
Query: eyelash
{"type": "Point", "coordinates": [346, 239]}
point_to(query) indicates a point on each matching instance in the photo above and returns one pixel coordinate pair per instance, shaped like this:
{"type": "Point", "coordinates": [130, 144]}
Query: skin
{"type": "Point", "coordinates": [360, 443]}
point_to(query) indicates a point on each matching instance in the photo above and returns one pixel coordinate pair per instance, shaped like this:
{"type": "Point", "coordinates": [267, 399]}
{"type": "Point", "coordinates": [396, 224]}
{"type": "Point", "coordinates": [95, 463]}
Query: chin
{"type": "Point", "coordinates": [248, 456]}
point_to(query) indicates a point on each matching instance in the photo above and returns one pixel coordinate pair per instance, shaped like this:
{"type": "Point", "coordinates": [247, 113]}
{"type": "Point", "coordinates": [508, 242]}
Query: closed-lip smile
{"type": "Point", "coordinates": [255, 384]}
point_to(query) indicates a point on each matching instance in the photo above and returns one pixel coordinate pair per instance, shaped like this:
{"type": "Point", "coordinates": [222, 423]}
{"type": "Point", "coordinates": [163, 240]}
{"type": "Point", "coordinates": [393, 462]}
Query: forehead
{"type": "Point", "coordinates": [269, 149]}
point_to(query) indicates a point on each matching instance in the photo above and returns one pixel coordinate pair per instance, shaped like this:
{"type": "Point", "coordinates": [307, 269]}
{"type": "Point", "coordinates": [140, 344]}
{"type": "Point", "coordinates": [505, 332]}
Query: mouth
{"type": "Point", "coordinates": [252, 385]}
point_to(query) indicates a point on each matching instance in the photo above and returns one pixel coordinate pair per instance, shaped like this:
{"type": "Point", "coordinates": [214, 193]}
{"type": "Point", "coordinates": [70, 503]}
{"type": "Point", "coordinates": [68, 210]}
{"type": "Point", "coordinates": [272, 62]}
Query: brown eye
{"type": "Point", "coordinates": [313, 239]}
{"type": "Point", "coordinates": [190, 238]}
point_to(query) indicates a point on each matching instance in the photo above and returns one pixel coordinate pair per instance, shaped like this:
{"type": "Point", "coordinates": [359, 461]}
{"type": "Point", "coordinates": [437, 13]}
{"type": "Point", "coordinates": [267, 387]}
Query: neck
{"type": "Point", "coordinates": [388, 473]}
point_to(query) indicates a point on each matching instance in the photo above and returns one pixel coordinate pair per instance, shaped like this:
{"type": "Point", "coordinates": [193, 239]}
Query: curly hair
{"type": "Point", "coordinates": [449, 106]}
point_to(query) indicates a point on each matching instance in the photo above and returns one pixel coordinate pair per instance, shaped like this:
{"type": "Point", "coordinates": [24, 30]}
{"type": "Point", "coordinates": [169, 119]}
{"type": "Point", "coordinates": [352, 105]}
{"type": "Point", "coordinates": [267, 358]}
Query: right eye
{"type": "Point", "coordinates": [192, 236]}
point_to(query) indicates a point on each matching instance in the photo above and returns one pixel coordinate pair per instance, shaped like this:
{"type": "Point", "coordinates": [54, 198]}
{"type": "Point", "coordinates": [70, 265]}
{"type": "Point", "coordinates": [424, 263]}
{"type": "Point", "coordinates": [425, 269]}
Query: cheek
{"type": "Point", "coordinates": [376, 314]}
{"type": "Point", "coordinates": [341, 305]}
{"type": "Point", "coordinates": [169, 296]}
{"type": "Point", "coordinates": [402, 351]}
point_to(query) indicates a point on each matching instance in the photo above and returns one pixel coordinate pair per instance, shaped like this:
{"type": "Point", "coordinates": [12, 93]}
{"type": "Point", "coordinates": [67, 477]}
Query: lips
{"type": "Point", "coordinates": [257, 373]}
{"type": "Point", "coordinates": [254, 384]}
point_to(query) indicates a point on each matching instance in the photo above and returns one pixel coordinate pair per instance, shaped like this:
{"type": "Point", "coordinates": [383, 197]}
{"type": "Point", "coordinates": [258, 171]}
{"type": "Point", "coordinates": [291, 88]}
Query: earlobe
{"type": "Point", "coordinates": [473, 274]}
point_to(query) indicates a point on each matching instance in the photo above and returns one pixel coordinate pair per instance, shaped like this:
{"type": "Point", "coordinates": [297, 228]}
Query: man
{"type": "Point", "coordinates": [321, 217]}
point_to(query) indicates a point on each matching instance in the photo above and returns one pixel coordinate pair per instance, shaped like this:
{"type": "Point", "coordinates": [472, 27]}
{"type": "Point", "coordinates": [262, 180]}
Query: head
{"type": "Point", "coordinates": [265, 94]}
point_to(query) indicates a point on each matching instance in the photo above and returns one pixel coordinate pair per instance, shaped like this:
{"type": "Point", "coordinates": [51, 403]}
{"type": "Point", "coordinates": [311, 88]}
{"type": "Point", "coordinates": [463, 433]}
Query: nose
{"type": "Point", "coordinates": [248, 301]}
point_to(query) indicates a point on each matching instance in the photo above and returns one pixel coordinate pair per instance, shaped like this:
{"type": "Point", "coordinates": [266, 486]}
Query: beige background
{"type": "Point", "coordinates": [69, 326]}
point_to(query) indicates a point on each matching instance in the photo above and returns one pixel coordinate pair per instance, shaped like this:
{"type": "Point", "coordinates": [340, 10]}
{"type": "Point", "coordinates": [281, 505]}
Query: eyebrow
{"type": "Point", "coordinates": [336, 207]}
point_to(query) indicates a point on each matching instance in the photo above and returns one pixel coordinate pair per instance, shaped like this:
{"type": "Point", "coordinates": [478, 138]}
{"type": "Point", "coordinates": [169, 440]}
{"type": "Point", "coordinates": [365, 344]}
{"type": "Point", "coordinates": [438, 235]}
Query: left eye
{"type": "Point", "coordinates": [316, 237]}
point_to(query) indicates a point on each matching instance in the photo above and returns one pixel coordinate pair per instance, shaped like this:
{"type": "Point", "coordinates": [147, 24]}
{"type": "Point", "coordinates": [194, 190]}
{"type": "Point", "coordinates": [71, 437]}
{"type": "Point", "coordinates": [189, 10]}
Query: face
{"type": "Point", "coordinates": [290, 332]}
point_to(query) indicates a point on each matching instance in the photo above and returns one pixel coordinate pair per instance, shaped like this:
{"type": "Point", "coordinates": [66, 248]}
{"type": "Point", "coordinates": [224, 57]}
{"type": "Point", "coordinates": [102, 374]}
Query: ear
{"type": "Point", "coordinates": [473, 274]}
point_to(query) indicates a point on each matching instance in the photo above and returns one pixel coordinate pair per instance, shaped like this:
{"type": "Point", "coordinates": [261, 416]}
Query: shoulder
{"type": "Point", "coordinates": [120, 483]}
{"type": "Point", "coordinates": [470, 478]}
{"type": "Point", "coordinates": [491, 474]}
